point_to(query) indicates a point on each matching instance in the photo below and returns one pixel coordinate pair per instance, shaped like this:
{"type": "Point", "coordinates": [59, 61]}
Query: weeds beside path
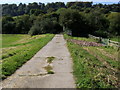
{"type": "Point", "coordinates": [92, 65]}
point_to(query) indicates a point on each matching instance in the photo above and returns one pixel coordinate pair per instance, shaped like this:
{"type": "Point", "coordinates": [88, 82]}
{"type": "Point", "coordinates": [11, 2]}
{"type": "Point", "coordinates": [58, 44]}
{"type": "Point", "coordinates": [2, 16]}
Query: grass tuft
{"type": "Point", "coordinates": [49, 69]}
{"type": "Point", "coordinates": [50, 59]}
{"type": "Point", "coordinates": [50, 72]}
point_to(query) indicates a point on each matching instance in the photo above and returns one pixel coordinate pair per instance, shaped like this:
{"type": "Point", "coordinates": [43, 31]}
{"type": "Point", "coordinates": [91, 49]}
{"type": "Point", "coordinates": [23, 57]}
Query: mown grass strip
{"type": "Point", "coordinates": [13, 45]}
{"type": "Point", "coordinates": [9, 39]}
{"type": "Point", "coordinates": [24, 54]}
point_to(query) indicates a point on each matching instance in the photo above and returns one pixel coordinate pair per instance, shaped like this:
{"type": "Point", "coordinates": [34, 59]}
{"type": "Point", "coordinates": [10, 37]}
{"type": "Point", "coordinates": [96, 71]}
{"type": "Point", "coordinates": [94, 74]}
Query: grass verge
{"type": "Point", "coordinates": [12, 62]}
{"type": "Point", "coordinates": [88, 70]}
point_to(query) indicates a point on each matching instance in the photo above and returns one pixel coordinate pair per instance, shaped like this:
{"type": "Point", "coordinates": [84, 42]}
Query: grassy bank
{"type": "Point", "coordinates": [115, 38]}
{"type": "Point", "coordinates": [19, 50]}
{"type": "Point", "coordinates": [94, 67]}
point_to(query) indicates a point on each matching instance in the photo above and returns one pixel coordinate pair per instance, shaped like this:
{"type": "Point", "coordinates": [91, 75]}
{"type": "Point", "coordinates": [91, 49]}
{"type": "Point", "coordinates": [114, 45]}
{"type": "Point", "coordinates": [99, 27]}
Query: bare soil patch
{"type": "Point", "coordinates": [84, 43]}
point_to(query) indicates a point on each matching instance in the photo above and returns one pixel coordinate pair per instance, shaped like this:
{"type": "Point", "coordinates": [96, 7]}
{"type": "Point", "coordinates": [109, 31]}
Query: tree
{"type": "Point", "coordinates": [98, 23]}
{"type": "Point", "coordinates": [23, 24]}
{"type": "Point", "coordinates": [36, 12]}
{"type": "Point", "coordinates": [21, 9]}
{"type": "Point", "coordinates": [50, 10]}
{"type": "Point", "coordinates": [79, 4]}
{"type": "Point", "coordinates": [114, 27]}
{"type": "Point", "coordinates": [72, 21]}
{"type": "Point", "coordinates": [55, 5]}
{"type": "Point", "coordinates": [8, 25]}
{"type": "Point", "coordinates": [45, 25]}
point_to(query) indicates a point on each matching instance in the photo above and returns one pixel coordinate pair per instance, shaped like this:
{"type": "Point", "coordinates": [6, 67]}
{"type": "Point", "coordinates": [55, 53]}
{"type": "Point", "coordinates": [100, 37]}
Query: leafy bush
{"type": "Point", "coordinates": [45, 25]}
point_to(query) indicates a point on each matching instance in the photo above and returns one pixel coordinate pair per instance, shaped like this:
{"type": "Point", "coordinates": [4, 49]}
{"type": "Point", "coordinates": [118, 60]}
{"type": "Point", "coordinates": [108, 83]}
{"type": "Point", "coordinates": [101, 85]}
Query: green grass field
{"type": "Point", "coordinates": [94, 67]}
{"type": "Point", "coordinates": [18, 49]}
{"type": "Point", "coordinates": [115, 38]}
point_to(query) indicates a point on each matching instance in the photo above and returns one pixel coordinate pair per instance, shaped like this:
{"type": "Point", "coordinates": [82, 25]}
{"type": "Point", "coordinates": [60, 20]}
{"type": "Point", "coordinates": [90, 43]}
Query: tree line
{"type": "Point", "coordinates": [41, 8]}
{"type": "Point", "coordinates": [75, 18]}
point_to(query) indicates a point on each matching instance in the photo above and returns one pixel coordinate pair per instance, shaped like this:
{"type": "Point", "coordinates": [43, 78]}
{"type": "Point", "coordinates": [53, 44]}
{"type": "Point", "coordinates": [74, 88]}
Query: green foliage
{"type": "Point", "coordinates": [114, 27]}
{"type": "Point", "coordinates": [36, 12]}
{"type": "Point", "coordinates": [35, 29]}
{"type": "Point", "coordinates": [45, 25]}
{"type": "Point", "coordinates": [21, 9]}
{"type": "Point", "coordinates": [55, 6]}
{"type": "Point", "coordinates": [8, 25]}
{"type": "Point", "coordinates": [50, 10]}
{"type": "Point", "coordinates": [23, 24]}
{"type": "Point", "coordinates": [17, 25]}
{"type": "Point", "coordinates": [7, 18]}
{"type": "Point", "coordinates": [59, 11]}
{"type": "Point", "coordinates": [78, 5]}
{"type": "Point", "coordinates": [98, 23]}
{"type": "Point", "coordinates": [74, 18]}
{"type": "Point", "coordinates": [73, 21]}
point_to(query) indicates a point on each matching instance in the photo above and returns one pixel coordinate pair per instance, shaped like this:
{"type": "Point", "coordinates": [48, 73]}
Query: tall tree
{"type": "Point", "coordinates": [114, 28]}
{"type": "Point", "coordinates": [72, 21]}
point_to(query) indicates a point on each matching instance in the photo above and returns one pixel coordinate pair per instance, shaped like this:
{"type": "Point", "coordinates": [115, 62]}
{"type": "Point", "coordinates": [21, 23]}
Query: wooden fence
{"type": "Point", "coordinates": [105, 41]}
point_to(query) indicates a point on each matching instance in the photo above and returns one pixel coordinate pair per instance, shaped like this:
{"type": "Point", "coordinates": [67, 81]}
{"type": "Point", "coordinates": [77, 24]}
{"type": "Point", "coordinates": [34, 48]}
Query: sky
{"type": "Point", "coordinates": [46, 1]}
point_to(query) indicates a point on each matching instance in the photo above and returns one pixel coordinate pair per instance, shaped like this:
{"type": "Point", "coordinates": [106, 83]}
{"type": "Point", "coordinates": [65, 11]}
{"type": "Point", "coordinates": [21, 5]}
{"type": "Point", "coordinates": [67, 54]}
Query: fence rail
{"type": "Point", "coordinates": [105, 41]}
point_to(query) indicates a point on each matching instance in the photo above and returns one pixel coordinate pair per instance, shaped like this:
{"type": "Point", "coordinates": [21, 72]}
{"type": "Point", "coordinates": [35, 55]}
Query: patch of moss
{"type": "Point", "coordinates": [49, 69]}
{"type": "Point", "coordinates": [50, 59]}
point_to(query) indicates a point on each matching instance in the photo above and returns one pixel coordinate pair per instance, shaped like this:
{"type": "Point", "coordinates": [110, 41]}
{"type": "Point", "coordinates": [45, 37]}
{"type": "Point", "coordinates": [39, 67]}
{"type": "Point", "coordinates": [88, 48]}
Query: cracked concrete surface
{"type": "Point", "coordinates": [33, 75]}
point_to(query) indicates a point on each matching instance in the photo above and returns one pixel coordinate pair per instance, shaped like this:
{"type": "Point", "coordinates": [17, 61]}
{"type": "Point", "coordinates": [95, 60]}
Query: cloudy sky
{"type": "Point", "coordinates": [46, 1]}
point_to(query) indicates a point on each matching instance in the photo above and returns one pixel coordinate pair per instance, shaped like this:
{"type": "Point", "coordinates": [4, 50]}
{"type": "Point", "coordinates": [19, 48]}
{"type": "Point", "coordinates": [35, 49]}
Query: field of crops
{"type": "Point", "coordinates": [18, 49]}
{"type": "Point", "coordinates": [93, 66]}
